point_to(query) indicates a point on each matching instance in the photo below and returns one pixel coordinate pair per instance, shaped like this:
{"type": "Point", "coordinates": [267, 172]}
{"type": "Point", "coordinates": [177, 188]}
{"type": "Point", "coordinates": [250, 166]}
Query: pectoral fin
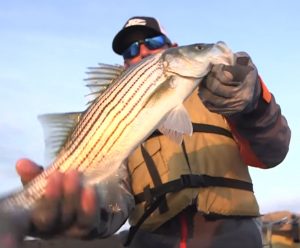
{"type": "Point", "coordinates": [176, 124]}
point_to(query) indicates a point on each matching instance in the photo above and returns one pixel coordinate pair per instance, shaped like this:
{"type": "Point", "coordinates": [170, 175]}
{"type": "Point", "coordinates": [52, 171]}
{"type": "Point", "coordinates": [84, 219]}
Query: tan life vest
{"type": "Point", "coordinates": [207, 154]}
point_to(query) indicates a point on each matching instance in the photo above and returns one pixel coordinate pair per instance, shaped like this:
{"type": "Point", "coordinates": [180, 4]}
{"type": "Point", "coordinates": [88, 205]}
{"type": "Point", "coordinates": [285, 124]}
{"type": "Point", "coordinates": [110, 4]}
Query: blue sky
{"type": "Point", "coordinates": [46, 46]}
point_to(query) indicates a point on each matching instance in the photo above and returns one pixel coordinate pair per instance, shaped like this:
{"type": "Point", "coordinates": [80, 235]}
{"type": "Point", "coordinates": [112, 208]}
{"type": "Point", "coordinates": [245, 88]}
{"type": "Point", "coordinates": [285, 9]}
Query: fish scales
{"type": "Point", "coordinates": [106, 123]}
{"type": "Point", "coordinates": [111, 100]}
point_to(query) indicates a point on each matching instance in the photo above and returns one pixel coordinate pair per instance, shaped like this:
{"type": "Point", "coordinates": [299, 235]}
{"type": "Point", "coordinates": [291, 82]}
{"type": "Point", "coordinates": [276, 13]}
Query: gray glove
{"type": "Point", "coordinates": [229, 90]}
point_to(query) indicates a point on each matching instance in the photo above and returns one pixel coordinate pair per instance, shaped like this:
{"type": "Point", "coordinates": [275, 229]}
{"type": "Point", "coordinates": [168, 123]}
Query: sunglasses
{"type": "Point", "coordinates": [151, 43]}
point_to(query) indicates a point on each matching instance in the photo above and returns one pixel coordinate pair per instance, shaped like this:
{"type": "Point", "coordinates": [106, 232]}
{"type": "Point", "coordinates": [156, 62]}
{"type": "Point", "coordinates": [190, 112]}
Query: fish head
{"type": "Point", "coordinates": [196, 60]}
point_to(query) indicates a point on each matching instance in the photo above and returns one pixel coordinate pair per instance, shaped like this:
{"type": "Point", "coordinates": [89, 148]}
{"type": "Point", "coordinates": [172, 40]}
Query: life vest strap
{"type": "Point", "coordinates": [190, 181]}
{"type": "Point", "coordinates": [157, 195]}
{"type": "Point", "coordinates": [156, 181]}
{"type": "Point", "coordinates": [202, 128]}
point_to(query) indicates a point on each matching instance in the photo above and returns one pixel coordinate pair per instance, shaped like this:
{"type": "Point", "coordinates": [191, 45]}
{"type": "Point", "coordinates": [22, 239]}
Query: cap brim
{"type": "Point", "coordinates": [128, 35]}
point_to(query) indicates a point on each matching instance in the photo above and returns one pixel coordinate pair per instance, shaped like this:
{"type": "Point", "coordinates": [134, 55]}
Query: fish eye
{"type": "Point", "coordinates": [200, 47]}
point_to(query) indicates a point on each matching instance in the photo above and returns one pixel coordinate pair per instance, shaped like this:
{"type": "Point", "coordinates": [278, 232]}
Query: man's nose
{"type": "Point", "coordinates": [144, 51]}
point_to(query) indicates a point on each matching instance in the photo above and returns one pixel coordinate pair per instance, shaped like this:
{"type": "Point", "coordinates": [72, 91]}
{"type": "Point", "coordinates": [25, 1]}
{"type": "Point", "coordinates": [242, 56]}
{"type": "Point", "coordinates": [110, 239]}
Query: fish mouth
{"type": "Point", "coordinates": [222, 46]}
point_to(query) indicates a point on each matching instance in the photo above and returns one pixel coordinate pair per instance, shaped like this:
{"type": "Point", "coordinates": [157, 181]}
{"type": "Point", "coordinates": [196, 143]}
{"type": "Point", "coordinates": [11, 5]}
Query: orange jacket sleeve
{"type": "Point", "coordinates": [263, 135]}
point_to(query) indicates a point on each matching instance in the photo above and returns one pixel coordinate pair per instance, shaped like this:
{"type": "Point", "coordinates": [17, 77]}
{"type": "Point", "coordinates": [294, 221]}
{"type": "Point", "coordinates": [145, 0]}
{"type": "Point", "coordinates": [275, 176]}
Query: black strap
{"type": "Point", "coordinates": [154, 174]}
{"type": "Point", "coordinates": [202, 128]}
{"type": "Point", "coordinates": [133, 229]}
{"type": "Point", "coordinates": [194, 181]}
{"type": "Point", "coordinates": [186, 156]}
{"type": "Point", "coordinates": [295, 229]}
{"type": "Point", "coordinates": [185, 181]}
{"type": "Point", "coordinates": [206, 128]}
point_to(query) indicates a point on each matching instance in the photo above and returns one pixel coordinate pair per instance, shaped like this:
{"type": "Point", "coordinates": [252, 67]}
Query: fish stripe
{"type": "Point", "coordinates": [116, 133]}
{"type": "Point", "coordinates": [110, 102]}
{"type": "Point", "coordinates": [109, 97]}
{"type": "Point", "coordinates": [131, 98]}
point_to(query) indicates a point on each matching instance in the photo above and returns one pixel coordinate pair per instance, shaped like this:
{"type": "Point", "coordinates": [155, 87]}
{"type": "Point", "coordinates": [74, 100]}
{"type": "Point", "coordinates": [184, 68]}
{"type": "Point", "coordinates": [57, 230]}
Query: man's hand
{"type": "Point", "coordinates": [229, 90]}
{"type": "Point", "coordinates": [67, 207]}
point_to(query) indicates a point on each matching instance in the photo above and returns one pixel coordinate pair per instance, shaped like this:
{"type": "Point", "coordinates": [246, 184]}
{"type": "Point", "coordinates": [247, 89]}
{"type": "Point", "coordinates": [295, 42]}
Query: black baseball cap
{"type": "Point", "coordinates": [136, 28]}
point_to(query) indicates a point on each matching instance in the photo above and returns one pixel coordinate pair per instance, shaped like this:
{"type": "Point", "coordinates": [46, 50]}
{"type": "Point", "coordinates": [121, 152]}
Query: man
{"type": "Point", "coordinates": [236, 123]}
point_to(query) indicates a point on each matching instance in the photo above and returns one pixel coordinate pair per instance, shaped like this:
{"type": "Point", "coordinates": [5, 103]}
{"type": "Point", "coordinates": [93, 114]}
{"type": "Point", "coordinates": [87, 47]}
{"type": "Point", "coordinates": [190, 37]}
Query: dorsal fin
{"type": "Point", "coordinates": [100, 77]}
{"type": "Point", "coordinates": [57, 127]}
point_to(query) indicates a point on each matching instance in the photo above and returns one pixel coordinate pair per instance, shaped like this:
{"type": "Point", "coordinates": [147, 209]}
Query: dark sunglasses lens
{"type": "Point", "coordinates": [155, 42]}
{"type": "Point", "coordinates": [132, 51]}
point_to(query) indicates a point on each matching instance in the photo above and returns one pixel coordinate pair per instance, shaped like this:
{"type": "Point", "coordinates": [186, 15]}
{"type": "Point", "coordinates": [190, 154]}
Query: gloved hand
{"type": "Point", "coordinates": [230, 90]}
{"type": "Point", "coordinates": [67, 207]}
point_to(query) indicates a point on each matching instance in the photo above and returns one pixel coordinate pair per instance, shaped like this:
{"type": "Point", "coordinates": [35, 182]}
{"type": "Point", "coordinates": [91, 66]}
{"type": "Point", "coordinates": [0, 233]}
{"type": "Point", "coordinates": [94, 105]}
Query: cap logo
{"type": "Point", "coordinates": [134, 22]}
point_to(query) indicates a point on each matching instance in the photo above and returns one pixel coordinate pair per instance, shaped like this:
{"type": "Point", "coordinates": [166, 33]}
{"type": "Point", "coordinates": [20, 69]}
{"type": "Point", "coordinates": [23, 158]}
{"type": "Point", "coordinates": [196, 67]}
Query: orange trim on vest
{"type": "Point", "coordinates": [246, 152]}
{"type": "Point", "coordinates": [265, 92]}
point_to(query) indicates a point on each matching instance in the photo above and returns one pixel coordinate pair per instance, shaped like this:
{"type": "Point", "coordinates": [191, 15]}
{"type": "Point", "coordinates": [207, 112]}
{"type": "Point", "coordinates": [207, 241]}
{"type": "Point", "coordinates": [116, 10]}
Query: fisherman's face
{"type": "Point", "coordinates": [144, 52]}
{"type": "Point", "coordinates": [141, 48]}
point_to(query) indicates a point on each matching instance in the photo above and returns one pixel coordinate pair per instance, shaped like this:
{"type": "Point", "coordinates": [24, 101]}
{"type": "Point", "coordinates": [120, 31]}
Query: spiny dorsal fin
{"type": "Point", "coordinates": [100, 77]}
{"type": "Point", "coordinates": [57, 127]}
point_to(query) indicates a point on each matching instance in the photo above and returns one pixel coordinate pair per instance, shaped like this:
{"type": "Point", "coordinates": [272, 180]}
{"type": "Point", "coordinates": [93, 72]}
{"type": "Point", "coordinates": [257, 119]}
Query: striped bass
{"type": "Point", "coordinates": [146, 96]}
